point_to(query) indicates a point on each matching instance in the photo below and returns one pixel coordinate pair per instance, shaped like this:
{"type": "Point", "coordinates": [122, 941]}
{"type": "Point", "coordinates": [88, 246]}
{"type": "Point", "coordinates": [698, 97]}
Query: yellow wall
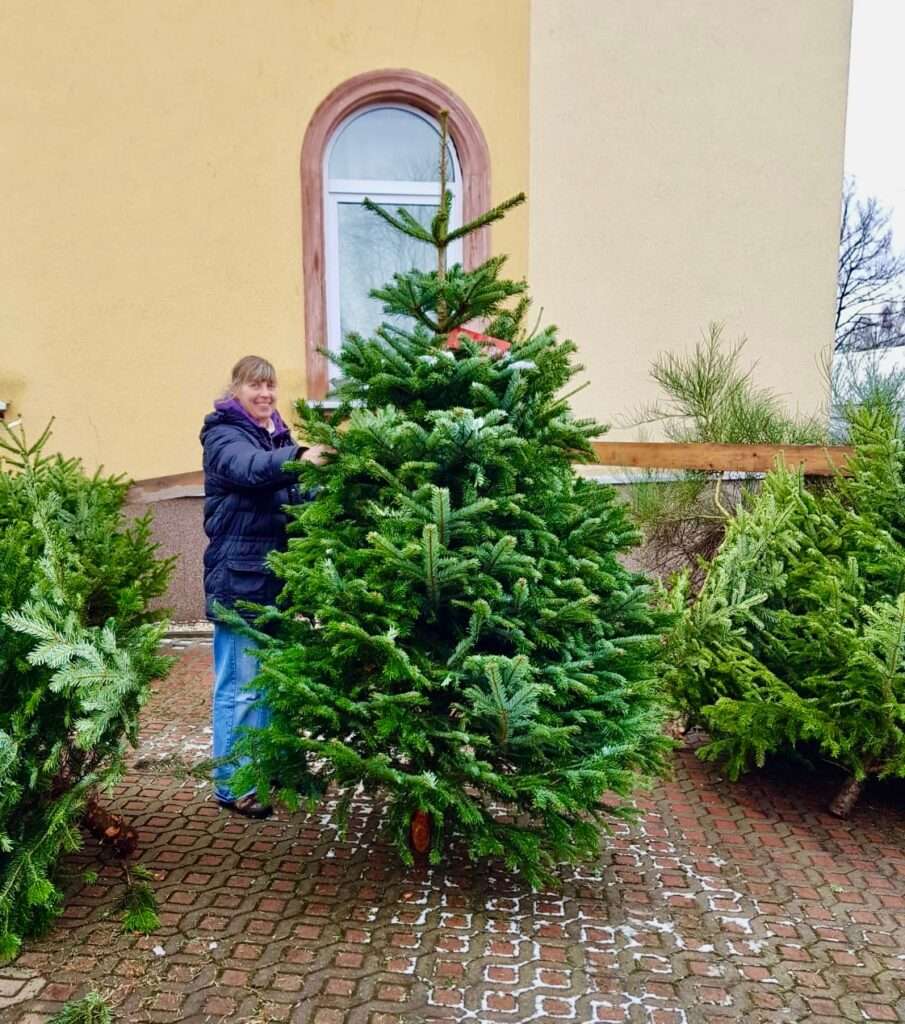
{"type": "Point", "coordinates": [150, 178]}
{"type": "Point", "coordinates": [686, 166]}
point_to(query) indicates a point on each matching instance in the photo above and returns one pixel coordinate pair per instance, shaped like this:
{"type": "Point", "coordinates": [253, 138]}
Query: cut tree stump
{"type": "Point", "coordinates": [110, 829]}
{"type": "Point", "coordinates": [420, 832]}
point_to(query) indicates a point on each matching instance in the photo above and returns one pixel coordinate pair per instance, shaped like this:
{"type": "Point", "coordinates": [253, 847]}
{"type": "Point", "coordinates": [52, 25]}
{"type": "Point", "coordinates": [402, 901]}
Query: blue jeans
{"type": "Point", "coordinates": [235, 706]}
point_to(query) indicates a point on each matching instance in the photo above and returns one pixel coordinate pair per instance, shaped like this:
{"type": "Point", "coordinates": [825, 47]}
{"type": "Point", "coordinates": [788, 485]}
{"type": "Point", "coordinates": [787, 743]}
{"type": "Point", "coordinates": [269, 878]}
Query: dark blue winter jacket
{"type": "Point", "coordinates": [245, 491]}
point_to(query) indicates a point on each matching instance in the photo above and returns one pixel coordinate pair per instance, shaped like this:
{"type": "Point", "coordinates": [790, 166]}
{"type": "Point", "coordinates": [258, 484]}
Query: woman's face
{"type": "Point", "coordinates": [258, 398]}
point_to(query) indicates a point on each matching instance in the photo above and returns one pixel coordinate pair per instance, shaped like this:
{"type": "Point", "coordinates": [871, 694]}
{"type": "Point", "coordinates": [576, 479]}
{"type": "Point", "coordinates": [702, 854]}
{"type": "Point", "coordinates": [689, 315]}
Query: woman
{"type": "Point", "coordinates": [246, 446]}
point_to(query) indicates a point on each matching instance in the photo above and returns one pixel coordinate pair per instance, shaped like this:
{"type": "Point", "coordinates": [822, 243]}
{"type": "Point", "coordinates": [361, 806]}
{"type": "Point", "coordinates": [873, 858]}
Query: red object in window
{"type": "Point", "coordinates": [452, 340]}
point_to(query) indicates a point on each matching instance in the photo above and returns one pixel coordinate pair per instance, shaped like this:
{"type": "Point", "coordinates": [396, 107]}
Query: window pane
{"type": "Point", "coordinates": [388, 144]}
{"type": "Point", "coordinates": [370, 252]}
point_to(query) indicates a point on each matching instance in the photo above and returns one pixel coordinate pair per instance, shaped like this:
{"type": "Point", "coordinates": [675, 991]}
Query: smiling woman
{"type": "Point", "coordinates": [246, 489]}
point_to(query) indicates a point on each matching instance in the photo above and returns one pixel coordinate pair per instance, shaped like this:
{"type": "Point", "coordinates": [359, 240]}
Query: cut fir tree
{"type": "Point", "coordinates": [455, 629]}
{"type": "Point", "coordinates": [79, 648]}
{"type": "Point", "coordinates": [796, 642]}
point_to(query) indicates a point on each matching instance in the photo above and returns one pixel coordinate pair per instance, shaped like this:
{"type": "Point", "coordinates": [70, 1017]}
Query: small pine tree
{"type": "Point", "coordinates": [707, 396]}
{"type": "Point", "coordinates": [798, 634]}
{"type": "Point", "coordinates": [78, 649]}
{"type": "Point", "coordinates": [455, 628]}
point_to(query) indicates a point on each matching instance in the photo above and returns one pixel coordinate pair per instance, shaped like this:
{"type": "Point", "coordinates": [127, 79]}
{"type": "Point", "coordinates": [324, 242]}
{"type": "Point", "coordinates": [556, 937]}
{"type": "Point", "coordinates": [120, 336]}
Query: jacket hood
{"type": "Point", "coordinates": [229, 410]}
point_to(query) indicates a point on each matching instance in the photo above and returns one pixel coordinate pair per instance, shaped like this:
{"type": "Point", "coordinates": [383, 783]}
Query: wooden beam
{"type": "Point", "coordinates": [815, 459]}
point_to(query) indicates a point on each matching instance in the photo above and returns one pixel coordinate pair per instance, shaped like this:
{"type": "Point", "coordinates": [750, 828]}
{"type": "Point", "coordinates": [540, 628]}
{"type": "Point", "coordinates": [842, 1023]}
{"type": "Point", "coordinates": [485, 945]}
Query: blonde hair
{"type": "Point", "coordinates": [250, 369]}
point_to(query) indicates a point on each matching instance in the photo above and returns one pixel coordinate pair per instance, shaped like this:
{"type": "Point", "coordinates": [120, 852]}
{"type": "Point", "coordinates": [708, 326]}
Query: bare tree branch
{"type": "Point", "coordinates": [870, 291]}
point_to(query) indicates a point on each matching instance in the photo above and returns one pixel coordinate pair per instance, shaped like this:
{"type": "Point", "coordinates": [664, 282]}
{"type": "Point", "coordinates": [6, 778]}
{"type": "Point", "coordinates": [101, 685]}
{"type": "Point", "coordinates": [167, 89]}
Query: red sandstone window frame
{"type": "Point", "coordinates": [372, 88]}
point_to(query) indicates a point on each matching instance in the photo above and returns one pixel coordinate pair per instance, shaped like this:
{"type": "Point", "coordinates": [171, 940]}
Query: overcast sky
{"type": "Point", "coordinates": [875, 129]}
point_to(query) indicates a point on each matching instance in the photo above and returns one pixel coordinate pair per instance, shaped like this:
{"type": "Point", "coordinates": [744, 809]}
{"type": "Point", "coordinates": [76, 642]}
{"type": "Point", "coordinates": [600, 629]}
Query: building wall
{"type": "Point", "coordinates": [150, 177]}
{"type": "Point", "coordinates": [686, 167]}
{"type": "Point", "coordinates": [177, 527]}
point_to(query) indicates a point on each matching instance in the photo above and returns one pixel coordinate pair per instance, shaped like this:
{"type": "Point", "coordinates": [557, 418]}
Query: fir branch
{"type": "Point", "coordinates": [404, 222]}
{"type": "Point", "coordinates": [90, 1009]}
{"type": "Point", "coordinates": [497, 213]}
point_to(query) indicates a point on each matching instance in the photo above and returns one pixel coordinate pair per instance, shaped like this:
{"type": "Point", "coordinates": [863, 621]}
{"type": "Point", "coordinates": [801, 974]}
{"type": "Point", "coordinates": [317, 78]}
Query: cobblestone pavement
{"type": "Point", "coordinates": [725, 902]}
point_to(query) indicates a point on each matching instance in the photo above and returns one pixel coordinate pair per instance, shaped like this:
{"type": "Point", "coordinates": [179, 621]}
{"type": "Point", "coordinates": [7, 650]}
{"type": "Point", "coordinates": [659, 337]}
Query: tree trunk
{"type": "Point", "coordinates": [420, 832]}
{"type": "Point", "coordinates": [110, 829]}
{"type": "Point", "coordinates": [844, 802]}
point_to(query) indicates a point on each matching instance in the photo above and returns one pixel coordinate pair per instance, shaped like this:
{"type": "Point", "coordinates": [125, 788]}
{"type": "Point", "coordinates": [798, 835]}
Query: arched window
{"type": "Point", "coordinates": [390, 154]}
{"type": "Point", "coordinates": [376, 135]}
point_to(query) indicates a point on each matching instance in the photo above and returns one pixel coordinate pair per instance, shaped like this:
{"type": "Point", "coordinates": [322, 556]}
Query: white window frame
{"type": "Point", "coordinates": [390, 194]}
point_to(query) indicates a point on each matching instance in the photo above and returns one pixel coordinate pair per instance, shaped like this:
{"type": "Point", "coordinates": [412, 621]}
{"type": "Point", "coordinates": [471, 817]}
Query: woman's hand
{"type": "Point", "coordinates": [317, 454]}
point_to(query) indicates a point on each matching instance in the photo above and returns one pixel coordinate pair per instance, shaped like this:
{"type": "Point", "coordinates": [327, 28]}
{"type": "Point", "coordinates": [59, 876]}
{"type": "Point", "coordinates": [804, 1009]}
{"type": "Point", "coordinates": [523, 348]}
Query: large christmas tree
{"type": "Point", "coordinates": [455, 628]}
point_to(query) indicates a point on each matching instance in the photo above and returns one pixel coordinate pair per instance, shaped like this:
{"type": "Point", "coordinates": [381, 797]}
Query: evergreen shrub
{"type": "Point", "coordinates": [78, 650]}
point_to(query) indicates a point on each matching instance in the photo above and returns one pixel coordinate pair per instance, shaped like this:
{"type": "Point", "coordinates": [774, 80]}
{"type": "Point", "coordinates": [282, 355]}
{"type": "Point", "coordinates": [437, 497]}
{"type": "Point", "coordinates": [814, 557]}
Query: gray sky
{"type": "Point", "coordinates": [875, 128]}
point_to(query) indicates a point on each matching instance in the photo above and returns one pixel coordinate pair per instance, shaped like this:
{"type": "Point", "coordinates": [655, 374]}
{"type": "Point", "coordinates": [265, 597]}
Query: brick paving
{"type": "Point", "coordinates": [724, 902]}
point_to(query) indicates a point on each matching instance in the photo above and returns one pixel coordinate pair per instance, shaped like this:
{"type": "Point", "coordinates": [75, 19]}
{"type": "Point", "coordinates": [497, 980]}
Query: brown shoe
{"type": "Point", "coordinates": [248, 806]}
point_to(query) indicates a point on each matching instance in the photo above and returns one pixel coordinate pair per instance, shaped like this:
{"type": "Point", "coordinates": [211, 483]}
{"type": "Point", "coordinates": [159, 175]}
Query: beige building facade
{"type": "Point", "coordinates": [686, 166]}
{"type": "Point", "coordinates": [683, 160]}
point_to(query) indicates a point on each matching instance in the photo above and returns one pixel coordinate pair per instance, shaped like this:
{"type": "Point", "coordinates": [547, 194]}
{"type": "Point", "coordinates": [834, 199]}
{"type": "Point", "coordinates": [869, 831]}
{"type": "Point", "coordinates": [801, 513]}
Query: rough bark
{"type": "Point", "coordinates": [844, 802]}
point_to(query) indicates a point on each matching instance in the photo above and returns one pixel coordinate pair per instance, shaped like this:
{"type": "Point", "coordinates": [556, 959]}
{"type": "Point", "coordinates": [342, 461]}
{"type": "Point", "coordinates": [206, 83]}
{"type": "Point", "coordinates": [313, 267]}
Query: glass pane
{"type": "Point", "coordinates": [370, 252]}
{"type": "Point", "coordinates": [388, 144]}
